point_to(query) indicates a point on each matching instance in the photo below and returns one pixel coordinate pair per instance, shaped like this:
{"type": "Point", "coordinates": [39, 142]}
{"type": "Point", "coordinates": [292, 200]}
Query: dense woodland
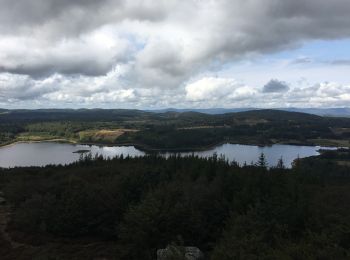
{"type": "Point", "coordinates": [172, 130]}
{"type": "Point", "coordinates": [127, 208]}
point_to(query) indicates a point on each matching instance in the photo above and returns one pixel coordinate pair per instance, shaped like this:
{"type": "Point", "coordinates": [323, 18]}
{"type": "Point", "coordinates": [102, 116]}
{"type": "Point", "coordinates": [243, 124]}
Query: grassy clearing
{"type": "Point", "coordinates": [202, 127]}
{"type": "Point", "coordinates": [93, 136]}
{"type": "Point", "coordinates": [344, 163]}
{"type": "Point", "coordinates": [340, 131]}
{"type": "Point", "coordinates": [108, 136]}
{"type": "Point", "coordinates": [23, 137]}
{"type": "Point", "coordinates": [250, 121]}
{"type": "Point", "coordinates": [331, 142]}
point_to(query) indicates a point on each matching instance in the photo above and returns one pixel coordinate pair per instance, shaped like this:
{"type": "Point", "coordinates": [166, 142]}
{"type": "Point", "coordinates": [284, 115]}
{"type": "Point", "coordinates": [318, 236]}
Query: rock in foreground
{"type": "Point", "coordinates": [178, 252]}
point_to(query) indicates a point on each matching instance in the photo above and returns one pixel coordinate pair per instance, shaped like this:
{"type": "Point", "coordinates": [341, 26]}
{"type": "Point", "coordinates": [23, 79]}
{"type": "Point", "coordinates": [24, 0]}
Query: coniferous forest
{"type": "Point", "coordinates": [127, 208]}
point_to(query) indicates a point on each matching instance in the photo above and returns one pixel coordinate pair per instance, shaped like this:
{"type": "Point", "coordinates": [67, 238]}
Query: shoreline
{"type": "Point", "coordinates": [147, 149]}
{"type": "Point", "coordinates": [38, 141]}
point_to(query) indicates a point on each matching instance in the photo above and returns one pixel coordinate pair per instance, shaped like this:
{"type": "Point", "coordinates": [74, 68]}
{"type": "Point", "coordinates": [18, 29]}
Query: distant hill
{"type": "Point", "coordinates": [274, 115]}
{"type": "Point", "coordinates": [338, 112]}
{"type": "Point", "coordinates": [210, 111]}
{"type": "Point", "coordinates": [27, 115]}
{"type": "Point", "coordinates": [335, 112]}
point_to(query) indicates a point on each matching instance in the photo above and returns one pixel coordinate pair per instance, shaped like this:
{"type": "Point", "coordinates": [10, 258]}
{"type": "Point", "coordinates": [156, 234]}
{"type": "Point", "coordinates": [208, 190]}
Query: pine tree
{"type": "Point", "coordinates": [280, 164]}
{"type": "Point", "coordinates": [296, 163]}
{"type": "Point", "coordinates": [262, 161]}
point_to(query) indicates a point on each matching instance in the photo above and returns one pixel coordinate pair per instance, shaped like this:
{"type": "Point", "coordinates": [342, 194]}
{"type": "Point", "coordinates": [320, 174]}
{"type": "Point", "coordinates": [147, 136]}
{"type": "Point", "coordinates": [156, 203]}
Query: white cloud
{"type": "Point", "coordinates": [217, 89]}
{"type": "Point", "coordinates": [160, 46]}
{"type": "Point", "coordinates": [17, 87]}
{"type": "Point", "coordinates": [93, 54]}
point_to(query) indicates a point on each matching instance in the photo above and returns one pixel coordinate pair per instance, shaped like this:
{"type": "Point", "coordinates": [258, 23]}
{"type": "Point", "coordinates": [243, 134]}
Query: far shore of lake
{"type": "Point", "coordinates": [148, 149]}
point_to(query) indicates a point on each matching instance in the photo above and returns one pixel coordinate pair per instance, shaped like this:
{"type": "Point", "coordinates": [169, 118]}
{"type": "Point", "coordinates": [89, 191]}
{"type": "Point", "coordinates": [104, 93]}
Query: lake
{"type": "Point", "coordinates": [45, 153]}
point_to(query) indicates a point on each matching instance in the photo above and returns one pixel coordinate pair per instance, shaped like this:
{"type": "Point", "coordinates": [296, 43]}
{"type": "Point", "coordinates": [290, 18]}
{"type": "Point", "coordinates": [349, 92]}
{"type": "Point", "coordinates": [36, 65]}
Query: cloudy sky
{"type": "Point", "coordinates": [186, 53]}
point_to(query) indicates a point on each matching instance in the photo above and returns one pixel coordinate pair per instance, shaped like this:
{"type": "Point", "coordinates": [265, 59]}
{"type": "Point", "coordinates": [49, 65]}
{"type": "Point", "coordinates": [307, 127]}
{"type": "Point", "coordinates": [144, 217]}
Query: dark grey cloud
{"type": "Point", "coordinates": [71, 17]}
{"type": "Point", "coordinates": [23, 88]}
{"type": "Point", "coordinates": [303, 60]}
{"type": "Point", "coordinates": [275, 86]}
{"type": "Point", "coordinates": [341, 62]}
{"type": "Point", "coordinates": [74, 66]}
{"type": "Point", "coordinates": [307, 60]}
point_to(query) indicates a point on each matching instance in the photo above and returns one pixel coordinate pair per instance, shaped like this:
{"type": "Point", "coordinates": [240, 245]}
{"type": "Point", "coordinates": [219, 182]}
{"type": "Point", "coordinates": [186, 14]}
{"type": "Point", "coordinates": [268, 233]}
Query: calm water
{"type": "Point", "coordinates": [41, 154]}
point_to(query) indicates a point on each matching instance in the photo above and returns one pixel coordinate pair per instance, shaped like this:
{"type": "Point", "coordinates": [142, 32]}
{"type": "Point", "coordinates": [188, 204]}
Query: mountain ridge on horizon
{"type": "Point", "coordinates": [341, 112]}
{"type": "Point", "coordinates": [333, 112]}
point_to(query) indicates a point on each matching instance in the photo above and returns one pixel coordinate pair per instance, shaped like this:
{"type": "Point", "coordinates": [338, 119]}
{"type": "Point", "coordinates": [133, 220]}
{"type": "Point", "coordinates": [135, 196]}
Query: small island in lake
{"type": "Point", "coordinates": [82, 151]}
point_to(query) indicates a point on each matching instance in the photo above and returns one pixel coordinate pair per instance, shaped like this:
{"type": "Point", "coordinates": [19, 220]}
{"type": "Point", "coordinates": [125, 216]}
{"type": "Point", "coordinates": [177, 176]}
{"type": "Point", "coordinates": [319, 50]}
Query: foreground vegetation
{"type": "Point", "coordinates": [173, 131]}
{"type": "Point", "coordinates": [127, 208]}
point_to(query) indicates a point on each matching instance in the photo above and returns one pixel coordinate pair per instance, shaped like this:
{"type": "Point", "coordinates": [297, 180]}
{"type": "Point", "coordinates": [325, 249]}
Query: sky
{"type": "Point", "coordinates": [144, 54]}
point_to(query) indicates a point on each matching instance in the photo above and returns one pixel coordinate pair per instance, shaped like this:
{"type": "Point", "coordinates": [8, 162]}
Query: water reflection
{"type": "Point", "coordinates": [41, 154]}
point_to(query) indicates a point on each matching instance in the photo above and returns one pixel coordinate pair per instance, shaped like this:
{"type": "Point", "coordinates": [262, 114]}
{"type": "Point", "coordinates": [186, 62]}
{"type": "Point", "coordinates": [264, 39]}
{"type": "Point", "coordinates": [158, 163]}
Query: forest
{"type": "Point", "coordinates": [172, 130]}
{"type": "Point", "coordinates": [127, 208]}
